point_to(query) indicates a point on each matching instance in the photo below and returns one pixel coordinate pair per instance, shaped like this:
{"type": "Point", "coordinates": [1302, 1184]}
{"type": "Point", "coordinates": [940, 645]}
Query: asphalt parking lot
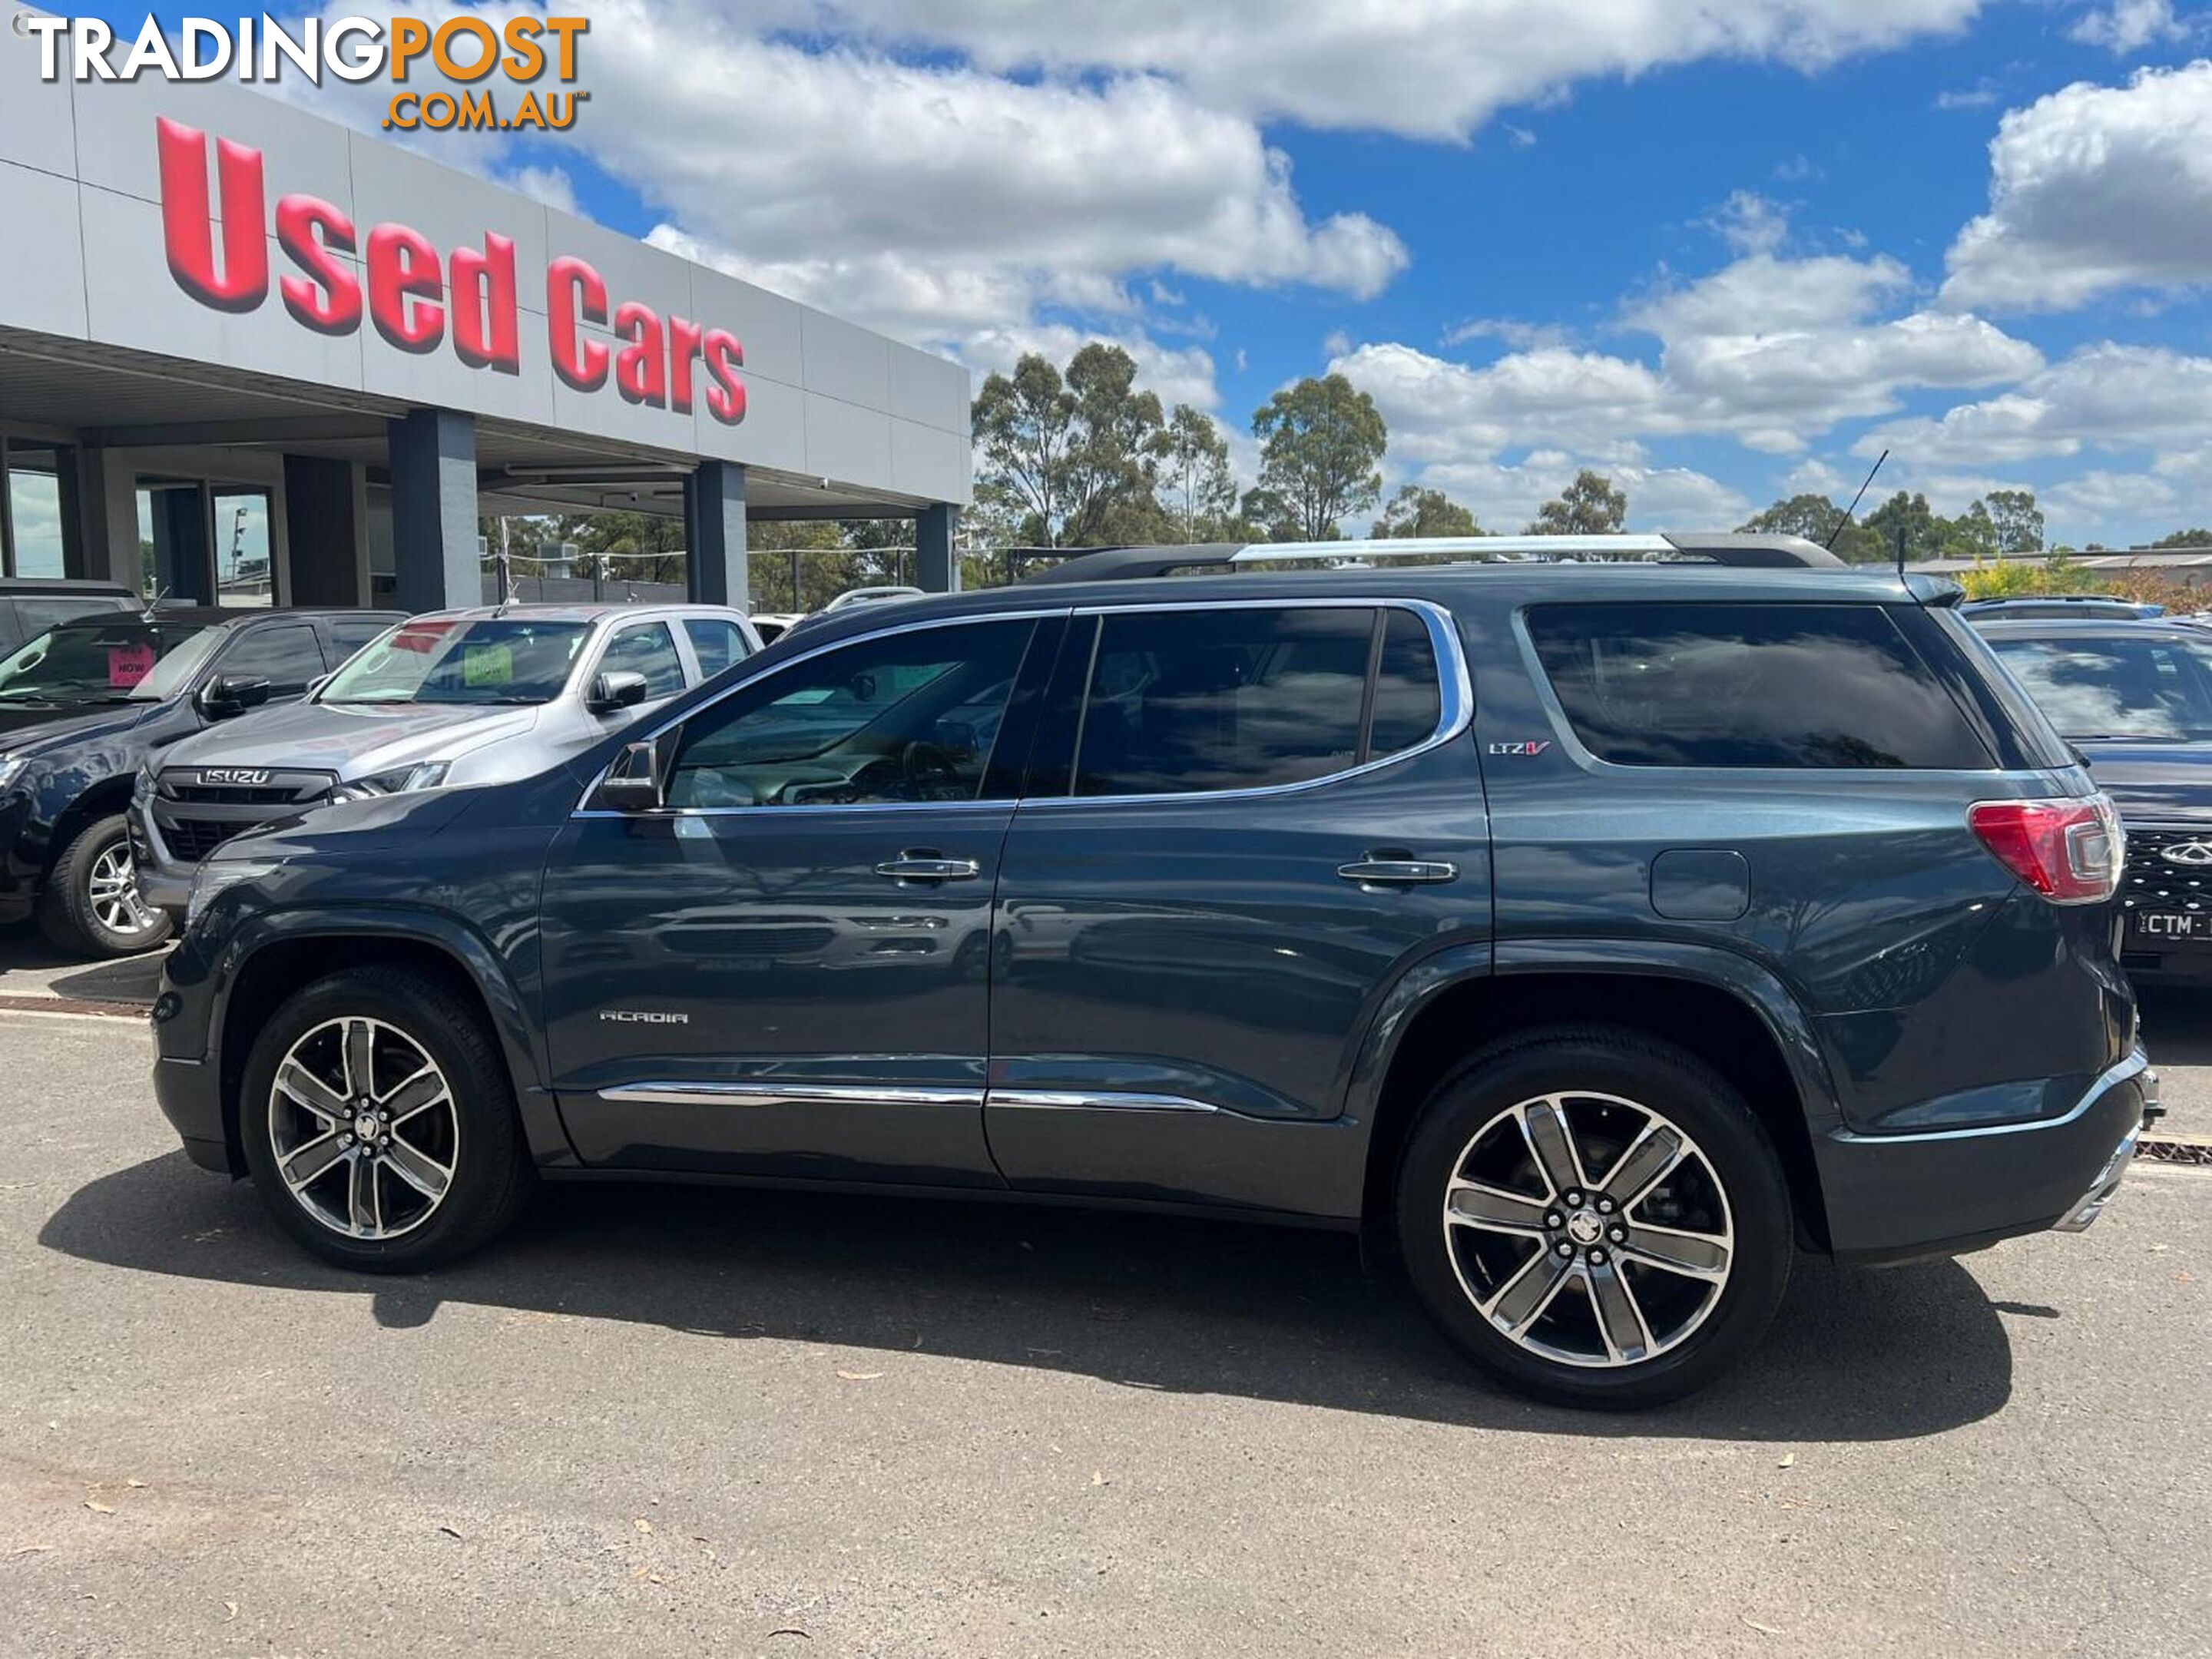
{"type": "Point", "coordinates": [663, 1420]}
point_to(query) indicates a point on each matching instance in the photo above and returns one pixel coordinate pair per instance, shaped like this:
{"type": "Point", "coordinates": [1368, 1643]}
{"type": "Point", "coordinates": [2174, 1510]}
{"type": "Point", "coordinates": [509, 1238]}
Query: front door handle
{"type": "Point", "coordinates": [1398, 871]}
{"type": "Point", "coordinates": [922, 866]}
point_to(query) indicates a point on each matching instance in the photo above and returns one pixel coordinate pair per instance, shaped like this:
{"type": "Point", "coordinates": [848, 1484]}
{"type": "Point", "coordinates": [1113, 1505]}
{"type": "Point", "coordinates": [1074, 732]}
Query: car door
{"type": "Point", "coordinates": [289, 655]}
{"type": "Point", "coordinates": [785, 970]}
{"type": "Point", "coordinates": [1242, 821]}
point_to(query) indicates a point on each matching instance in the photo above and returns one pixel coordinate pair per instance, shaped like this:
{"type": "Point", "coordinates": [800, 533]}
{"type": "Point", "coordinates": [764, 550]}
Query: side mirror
{"type": "Point", "coordinates": [634, 782]}
{"type": "Point", "coordinates": [227, 695]}
{"type": "Point", "coordinates": [615, 690]}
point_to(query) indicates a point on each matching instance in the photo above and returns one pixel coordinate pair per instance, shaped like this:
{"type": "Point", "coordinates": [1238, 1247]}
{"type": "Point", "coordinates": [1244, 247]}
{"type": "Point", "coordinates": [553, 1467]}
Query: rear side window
{"type": "Point", "coordinates": [1181, 702]}
{"type": "Point", "coordinates": [1745, 685]}
{"type": "Point", "coordinates": [716, 641]}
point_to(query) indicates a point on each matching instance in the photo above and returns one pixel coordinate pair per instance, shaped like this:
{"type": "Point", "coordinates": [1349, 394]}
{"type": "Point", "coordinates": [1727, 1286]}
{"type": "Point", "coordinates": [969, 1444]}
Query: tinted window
{"type": "Point", "coordinates": [128, 658]}
{"type": "Point", "coordinates": [349, 633]}
{"type": "Point", "coordinates": [717, 642]}
{"type": "Point", "coordinates": [1408, 700]}
{"type": "Point", "coordinates": [1225, 699]}
{"type": "Point", "coordinates": [2112, 686]}
{"type": "Point", "coordinates": [288, 656]}
{"type": "Point", "coordinates": [39, 615]}
{"type": "Point", "coordinates": [907, 717]}
{"type": "Point", "coordinates": [649, 649]}
{"type": "Point", "coordinates": [1791, 685]}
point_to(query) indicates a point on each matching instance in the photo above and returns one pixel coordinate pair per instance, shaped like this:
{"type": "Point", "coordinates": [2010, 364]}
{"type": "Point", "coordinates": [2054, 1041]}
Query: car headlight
{"type": "Point", "coordinates": [142, 786]}
{"type": "Point", "coordinates": [397, 781]}
{"type": "Point", "coordinates": [217, 876]}
{"type": "Point", "coordinates": [11, 767]}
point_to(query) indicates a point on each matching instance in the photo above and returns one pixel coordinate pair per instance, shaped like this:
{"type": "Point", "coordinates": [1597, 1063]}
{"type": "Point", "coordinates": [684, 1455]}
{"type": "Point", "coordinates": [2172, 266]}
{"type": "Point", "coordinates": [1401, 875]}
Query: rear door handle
{"type": "Point", "coordinates": [928, 866]}
{"type": "Point", "coordinates": [1399, 872]}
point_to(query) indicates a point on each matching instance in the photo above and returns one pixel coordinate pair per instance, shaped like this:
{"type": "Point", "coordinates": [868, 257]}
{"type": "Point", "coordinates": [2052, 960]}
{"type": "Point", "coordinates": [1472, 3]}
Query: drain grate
{"type": "Point", "coordinates": [2178, 1149]}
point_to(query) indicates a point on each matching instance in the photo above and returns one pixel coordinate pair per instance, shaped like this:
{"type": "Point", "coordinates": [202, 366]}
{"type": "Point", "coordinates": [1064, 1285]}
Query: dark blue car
{"type": "Point", "coordinates": [1598, 933]}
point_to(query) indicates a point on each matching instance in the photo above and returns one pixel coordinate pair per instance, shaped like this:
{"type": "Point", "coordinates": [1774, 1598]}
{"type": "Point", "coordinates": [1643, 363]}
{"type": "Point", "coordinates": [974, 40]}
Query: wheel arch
{"type": "Point", "coordinates": [1723, 1008]}
{"type": "Point", "coordinates": [292, 949]}
{"type": "Point", "coordinates": [106, 798]}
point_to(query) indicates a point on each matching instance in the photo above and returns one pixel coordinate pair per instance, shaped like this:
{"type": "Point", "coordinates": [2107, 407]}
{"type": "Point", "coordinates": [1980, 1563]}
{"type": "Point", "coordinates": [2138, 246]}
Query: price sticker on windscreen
{"type": "Point", "coordinates": [486, 664]}
{"type": "Point", "coordinates": [127, 664]}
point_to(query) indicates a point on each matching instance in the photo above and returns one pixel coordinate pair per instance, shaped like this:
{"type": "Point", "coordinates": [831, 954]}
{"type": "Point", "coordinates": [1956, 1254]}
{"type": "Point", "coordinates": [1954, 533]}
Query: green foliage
{"type": "Point", "coordinates": [1816, 518]}
{"type": "Point", "coordinates": [1414, 511]}
{"type": "Point", "coordinates": [2185, 538]}
{"type": "Point", "coordinates": [1590, 506]}
{"type": "Point", "coordinates": [1321, 441]}
{"type": "Point", "coordinates": [2017, 519]}
{"type": "Point", "coordinates": [1070, 460]}
{"type": "Point", "coordinates": [1198, 494]}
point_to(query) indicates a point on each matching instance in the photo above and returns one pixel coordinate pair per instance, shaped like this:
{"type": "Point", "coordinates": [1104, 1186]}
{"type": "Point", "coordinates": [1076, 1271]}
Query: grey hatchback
{"type": "Point", "coordinates": [1596, 931]}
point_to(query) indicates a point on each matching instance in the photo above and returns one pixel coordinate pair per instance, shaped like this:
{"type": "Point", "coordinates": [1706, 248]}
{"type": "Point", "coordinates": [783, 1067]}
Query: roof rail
{"type": "Point", "coordinates": [1742, 552]}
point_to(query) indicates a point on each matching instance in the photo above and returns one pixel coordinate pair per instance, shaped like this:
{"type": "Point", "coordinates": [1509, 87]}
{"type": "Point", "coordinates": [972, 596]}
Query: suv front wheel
{"type": "Point", "coordinates": [91, 907]}
{"type": "Point", "coordinates": [379, 1124]}
{"type": "Point", "coordinates": [1594, 1218]}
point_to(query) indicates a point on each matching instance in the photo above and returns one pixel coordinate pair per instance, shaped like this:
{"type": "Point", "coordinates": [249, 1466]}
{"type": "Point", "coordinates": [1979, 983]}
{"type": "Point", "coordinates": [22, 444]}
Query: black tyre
{"type": "Point", "coordinates": [380, 1124]}
{"type": "Point", "coordinates": [1594, 1218]}
{"type": "Point", "coordinates": [90, 906]}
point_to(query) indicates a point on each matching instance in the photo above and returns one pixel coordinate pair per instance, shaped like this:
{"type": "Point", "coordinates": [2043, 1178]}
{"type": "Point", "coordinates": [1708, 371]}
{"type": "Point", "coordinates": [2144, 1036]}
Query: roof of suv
{"type": "Point", "coordinates": [210, 615]}
{"type": "Point", "coordinates": [2090, 627]}
{"type": "Point", "coordinates": [1452, 585]}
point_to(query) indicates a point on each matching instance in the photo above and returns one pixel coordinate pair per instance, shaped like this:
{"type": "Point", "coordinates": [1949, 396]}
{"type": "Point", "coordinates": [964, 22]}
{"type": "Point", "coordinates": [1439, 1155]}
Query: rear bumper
{"type": "Point", "coordinates": [1899, 1198]}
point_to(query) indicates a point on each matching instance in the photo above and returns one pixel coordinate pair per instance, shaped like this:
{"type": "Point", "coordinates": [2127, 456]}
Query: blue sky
{"type": "Point", "coordinates": [1726, 250]}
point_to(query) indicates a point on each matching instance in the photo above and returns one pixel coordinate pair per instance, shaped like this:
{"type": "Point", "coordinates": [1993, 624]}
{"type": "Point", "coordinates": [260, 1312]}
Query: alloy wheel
{"type": "Point", "coordinates": [364, 1127]}
{"type": "Point", "coordinates": [1589, 1229]}
{"type": "Point", "coordinates": [112, 888]}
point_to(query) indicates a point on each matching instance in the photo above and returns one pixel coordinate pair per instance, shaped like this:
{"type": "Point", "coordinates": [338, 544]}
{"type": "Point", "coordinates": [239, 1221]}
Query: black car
{"type": "Point", "coordinates": [2135, 698]}
{"type": "Point", "coordinates": [85, 703]}
{"type": "Point", "coordinates": [1598, 933]}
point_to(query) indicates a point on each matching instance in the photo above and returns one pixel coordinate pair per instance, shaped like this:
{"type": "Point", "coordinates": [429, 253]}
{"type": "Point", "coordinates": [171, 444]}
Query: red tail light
{"type": "Point", "coordinates": [2069, 851]}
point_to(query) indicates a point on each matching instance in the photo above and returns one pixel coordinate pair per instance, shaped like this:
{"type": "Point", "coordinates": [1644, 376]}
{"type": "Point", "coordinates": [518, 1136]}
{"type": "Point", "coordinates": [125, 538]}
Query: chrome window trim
{"type": "Point", "coordinates": [1455, 684]}
{"type": "Point", "coordinates": [785, 1094]}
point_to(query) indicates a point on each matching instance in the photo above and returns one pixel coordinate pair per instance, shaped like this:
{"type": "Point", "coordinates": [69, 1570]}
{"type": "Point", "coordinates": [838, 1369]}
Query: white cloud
{"type": "Point", "coordinates": [2126, 26]}
{"type": "Point", "coordinates": [1423, 67]}
{"type": "Point", "coordinates": [1178, 374]}
{"type": "Point", "coordinates": [550, 185]}
{"type": "Point", "coordinates": [2094, 189]}
{"type": "Point", "coordinates": [1504, 498]}
{"type": "Point", "coordinates": [2105, 397]}
{"type": "Point", "coordinates": [1982, 96]}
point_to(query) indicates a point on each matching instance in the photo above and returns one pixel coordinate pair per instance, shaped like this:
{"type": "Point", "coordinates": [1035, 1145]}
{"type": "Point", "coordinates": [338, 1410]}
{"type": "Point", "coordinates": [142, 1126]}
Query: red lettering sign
{"type": "Point", "coordinates": [415, 296]}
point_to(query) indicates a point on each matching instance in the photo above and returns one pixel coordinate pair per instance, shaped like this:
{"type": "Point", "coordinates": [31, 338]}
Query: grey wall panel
{"type": "Point", "coordinates": [632, 270]}
{"type": "Point", "coordinates": [45, 292]}
{"type": "Point", "coordinates": [769, 327]}
{"type": "Point", "coordinates": [117, 147]}
{"type": "Point", "coordinates": [847, 362]}
{"type": "Point", "coordinates": [453, 209]}
{"type": "Point", "coordinates": [132, 302]}
{"type": "Point", "coordinates": [36, 127]}
{"type": "Point", "coordinates": [845, 442]}
{"type": "Point", "coordinates": [773, 433]}
{"type": "Point", "coordinates": [928, 461]}
{"type": "Point", "coordinates": [439, 377]}
{"type": "Point", "coordinates": [928, 390]}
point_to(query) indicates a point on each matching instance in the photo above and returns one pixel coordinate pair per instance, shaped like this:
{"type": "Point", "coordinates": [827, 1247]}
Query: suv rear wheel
{"type": "Point", "coordinates": [380, 1124]}
{"type": "Point", "coordinates": [91, 907]}
{"type": "Point", "coordinates": [1594, 1218]}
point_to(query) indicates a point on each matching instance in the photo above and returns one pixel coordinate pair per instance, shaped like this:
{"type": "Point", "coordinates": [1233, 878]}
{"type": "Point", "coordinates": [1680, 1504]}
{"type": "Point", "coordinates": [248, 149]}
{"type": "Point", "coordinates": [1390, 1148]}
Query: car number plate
{"type": "Point", "coordinates": [2171, 927]}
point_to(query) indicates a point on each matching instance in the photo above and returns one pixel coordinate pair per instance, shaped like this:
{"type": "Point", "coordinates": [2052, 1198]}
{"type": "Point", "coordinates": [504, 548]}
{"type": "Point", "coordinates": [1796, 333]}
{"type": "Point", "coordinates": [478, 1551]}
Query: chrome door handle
{"type": "Point", "coordinates": [1399, 872]}
{"type": "Point", "coordinates": [928, 866]}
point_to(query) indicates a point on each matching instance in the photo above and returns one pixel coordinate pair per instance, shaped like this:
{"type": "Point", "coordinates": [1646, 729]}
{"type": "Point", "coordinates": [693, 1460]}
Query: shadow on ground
{"type": "Point", "coordinates": [28, 963]}
{"type": "Point", "coordinates": [1144, 1302]}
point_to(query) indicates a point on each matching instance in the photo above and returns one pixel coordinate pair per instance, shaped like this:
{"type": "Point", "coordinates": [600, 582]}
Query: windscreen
{"type": "Point", "coordinates": [496, 660]}
{"type": "Point", "coordinates": [126, 660]}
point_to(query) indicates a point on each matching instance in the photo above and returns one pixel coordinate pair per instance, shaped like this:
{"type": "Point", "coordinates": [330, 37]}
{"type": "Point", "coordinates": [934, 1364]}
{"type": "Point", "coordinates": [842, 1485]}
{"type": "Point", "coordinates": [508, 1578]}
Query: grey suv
{"type": "Point", "coordinates": [1600, 933]}
{"type": "Point", "coordinates": [475, 695]}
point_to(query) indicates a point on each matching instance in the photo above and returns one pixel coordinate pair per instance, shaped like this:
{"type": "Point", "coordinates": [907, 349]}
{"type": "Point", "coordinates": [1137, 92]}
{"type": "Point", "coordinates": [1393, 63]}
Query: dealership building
{"type": "Point", "coordinates": [301, 361]}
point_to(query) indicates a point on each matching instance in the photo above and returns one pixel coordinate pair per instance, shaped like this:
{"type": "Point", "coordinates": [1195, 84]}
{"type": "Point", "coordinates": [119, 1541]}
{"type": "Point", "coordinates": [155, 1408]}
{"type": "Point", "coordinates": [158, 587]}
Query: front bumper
{"type": "Point", "coordinates": [164, 882]}
{"type": "Point", "coordinates": [1903, 1197]}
